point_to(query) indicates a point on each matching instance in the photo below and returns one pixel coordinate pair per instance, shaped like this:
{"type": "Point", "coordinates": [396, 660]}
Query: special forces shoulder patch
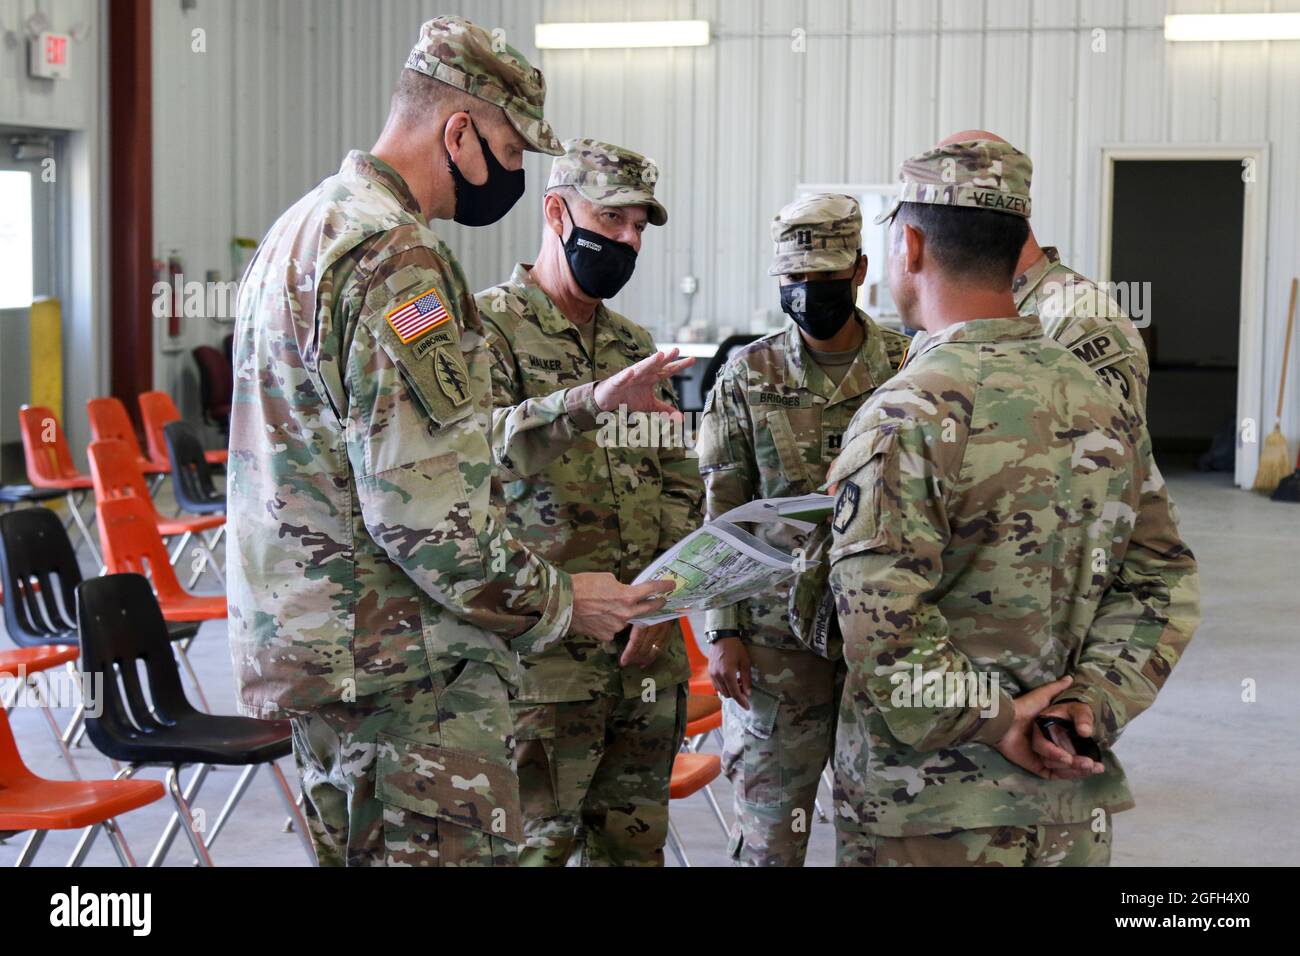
{"type": "Point", "coordinates": [418, 317]}
{"type": "Point", "coordinates": [453, 378]}
{"type": "Point", "coordinates": [846, 507]}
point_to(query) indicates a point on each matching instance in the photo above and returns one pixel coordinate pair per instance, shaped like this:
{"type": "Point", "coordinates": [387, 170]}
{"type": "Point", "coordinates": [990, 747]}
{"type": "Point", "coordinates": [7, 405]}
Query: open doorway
{"type": "Point", "coordinates": [1180, 230]}
{"type": "Point", "coordinates": [29, 270]}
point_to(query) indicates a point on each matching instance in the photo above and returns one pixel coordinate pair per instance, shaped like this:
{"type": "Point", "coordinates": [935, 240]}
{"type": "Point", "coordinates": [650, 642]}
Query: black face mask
{"type": "Point", "coordinates": [826, 305]}
{"type": "Point", "coordinates": [485, 204]}
{"type": "Point", "coordinates": [601, 266]}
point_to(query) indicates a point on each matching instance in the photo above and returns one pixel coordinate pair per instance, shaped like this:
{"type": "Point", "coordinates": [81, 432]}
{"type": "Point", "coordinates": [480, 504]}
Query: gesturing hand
{"type": "Point", "coordinates": [636, 387]}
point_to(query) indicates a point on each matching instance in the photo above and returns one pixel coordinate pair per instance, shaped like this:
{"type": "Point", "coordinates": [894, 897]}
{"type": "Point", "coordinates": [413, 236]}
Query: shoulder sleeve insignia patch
{"type": "Point", "coordinates": [453, 378]}
{"type": "Point", "coordinates": [846, 507]}
{"type": "Point", "coordinates": [419, 316]}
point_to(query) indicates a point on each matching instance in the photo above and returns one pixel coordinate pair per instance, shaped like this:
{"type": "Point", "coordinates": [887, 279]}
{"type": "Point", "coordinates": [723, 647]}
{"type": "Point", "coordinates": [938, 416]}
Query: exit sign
{"type": "Point", "coordinates": [49, 56]}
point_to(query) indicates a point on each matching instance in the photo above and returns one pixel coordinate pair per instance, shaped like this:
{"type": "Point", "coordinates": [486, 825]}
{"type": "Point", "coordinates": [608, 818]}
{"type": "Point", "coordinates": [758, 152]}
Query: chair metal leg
{"type": "Point", "coordinates": [295, 812]}
{"type": "Point", "coordinates": [169, 831]}
{"type": "Point", "coordinates": [717, 810]}
{"type": "Point", "coordinates": [184, 658]}
{"type": "Point", "coordinates": [241, 785]}
{"type": "Point", "coordinates": [72, 732]}
{"type": "Point", "coordinates": [288, 821]}
{"type": "Point", "coordinates": [87, 840]}
{"type": "Point", "coordinates": [207, 560]}
{"type": "Point", "coordinates": [44, 702]}
{"type": "Point", "coordinates": [74, 507]}
{"type": "Point", "coordinates": [675, 844]}
{"type": "Point", "coordinates": [31, 848]}
{"type": "Point", "coordinates": [124, 855]}
{"type": "Point", "coordinates": [826, 779]}
{"type": "Point", "coordinates": [180, 548]}
{"type": "Point", "coordinates": [183, 808]}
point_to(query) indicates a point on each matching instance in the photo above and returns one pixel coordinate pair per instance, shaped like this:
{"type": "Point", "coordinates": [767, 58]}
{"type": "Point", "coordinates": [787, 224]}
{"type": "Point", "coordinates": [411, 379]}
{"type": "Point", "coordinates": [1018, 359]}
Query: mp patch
{"type": "Point", "coordinates": [846, 507]}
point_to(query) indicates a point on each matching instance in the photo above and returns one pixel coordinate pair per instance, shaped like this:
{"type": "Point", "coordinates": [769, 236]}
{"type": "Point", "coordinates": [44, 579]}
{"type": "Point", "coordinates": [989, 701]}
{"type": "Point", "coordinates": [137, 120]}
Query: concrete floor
{"type": "Point", "coordinates": [1215, 777]}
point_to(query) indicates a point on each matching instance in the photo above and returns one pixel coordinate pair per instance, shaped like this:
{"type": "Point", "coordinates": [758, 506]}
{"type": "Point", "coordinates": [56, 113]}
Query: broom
{"type": "Point", "coordinates": [1275, 460]}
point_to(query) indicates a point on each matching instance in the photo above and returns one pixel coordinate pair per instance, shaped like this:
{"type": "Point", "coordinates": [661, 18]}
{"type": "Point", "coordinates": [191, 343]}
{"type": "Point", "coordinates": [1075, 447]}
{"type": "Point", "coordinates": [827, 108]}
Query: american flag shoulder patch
{"type": "Point", "coordinates": [420, 315]}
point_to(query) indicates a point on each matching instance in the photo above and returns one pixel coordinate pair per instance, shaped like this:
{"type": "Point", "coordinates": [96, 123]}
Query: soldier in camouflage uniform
{"type": "Point", "coordinates": [1003, 549]}
{"type": "Point", "coordinates": [772, 426]}
{"type": "Point", "coordinates": [374, 597]}
{"type": "Point", "coordinates": [597, 725]}
{"type": "Point", "coordinates": [1075, 312]}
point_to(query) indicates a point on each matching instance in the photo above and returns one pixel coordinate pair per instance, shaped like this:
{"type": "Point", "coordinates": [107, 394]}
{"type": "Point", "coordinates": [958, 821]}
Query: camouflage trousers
{"type": "Point", "coordinates": [1051, 844]}
{"type": "Point", "coordinates": [775, 752]}
{"type": "Point", "coordinates": [593, 778]}
{"type": "Point", "coordinates": [422, 775]}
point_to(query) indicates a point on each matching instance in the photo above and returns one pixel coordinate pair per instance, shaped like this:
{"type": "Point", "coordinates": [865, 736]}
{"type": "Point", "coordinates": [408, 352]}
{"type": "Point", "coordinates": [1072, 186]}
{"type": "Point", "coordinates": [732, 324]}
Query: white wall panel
{"type": "Point", "coordinates": [734, 125]}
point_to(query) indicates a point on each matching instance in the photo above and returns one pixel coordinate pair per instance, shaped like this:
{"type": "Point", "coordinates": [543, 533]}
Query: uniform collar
{"type": "Point", "coordinates": [554, 322]}
{"type": "Point", "coordinates": [1009, 329]}
{"type": "Point", "coordinates": [371, 167]}
{"type": "Point", "coordinates": [869, 369]}
{"type": "Point", "coordinates": [1023, 285]}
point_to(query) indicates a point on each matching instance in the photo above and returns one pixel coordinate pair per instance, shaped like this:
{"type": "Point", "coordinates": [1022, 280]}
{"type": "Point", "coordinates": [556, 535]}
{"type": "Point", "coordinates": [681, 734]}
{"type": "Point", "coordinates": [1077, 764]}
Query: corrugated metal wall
{"type": "Point", "coordinates": [734, 125]}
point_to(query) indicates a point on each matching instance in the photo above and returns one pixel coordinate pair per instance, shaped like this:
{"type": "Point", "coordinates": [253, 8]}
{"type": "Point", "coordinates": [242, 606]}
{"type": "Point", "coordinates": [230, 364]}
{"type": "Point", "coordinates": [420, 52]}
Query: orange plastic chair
{"type": "Point", "coordinates": [29, 802]}
{"type": "Point", "coordinates": [692, 773]}
{"type": "Point", "coordinates": [132, 545]}
{"type": "Point", "coordinates": [116, 476]}
{"type": "Point", "coordinates": [700, 682]}
{"type": "Point", "coordinates": [49, 464]}
{"type": "Point", "coordinates": [24, 662]}
{"type": "Point", "coordinates": [110, 422]}
{"type": "Point", "coordinates": [703, 715]}
{"type": "Point", "coordinates": [157, 411]}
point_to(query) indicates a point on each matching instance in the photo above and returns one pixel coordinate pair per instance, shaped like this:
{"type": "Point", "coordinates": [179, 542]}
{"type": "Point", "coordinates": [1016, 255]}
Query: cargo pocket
{"type": "Point", "coordinates": [539, 786]}
{"type": "Point", "coordinates": [761, 786]}
{"type": "Point", "coordinates": [444, 807]}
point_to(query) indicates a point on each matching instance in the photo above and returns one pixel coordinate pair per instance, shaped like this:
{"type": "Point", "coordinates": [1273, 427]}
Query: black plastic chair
{"type": "Point", "coordinates": [191, 474]}
{"type": "Point", "coordinates": [154, 724]}
{"type": "Point", "coordinates": [719, 360]}
{"type": "Point", "coordinates": [39, 573]}
{"type": "Point", "coordinates": [11, 496]}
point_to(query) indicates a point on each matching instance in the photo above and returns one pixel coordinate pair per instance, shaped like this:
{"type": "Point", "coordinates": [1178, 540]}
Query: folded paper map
{"type": "Point", "coordinates": [721, 563]}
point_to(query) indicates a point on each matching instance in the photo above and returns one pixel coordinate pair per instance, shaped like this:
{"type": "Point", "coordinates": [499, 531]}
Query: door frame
{"type": "Point", "coordinates": [1254, 250]}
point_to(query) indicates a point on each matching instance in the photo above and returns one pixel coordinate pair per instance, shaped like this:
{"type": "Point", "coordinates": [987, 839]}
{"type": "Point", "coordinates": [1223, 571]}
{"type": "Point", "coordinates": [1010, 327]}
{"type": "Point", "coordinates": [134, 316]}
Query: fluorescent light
{"type": "Point", "coordinates": [1205, 27]}
{"type": "Point", "coordinates": [628, 33]}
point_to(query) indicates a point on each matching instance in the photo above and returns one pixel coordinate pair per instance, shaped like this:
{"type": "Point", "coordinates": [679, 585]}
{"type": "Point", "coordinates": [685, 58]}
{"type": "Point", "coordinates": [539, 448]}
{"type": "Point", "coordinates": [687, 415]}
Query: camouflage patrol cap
{"type": "Point", "coordinates": [821, 233]}
{"type": "Point", "coordinates": [464, 55]}
{"type": "Point", "coordinates": [976, 173]}
{"type": "Point", "coordinates": [609, 176]}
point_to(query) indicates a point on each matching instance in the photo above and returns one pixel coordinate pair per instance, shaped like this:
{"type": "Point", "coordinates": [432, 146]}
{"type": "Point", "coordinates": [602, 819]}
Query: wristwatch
{"type": "Point", "coordinates": [712, 637]}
